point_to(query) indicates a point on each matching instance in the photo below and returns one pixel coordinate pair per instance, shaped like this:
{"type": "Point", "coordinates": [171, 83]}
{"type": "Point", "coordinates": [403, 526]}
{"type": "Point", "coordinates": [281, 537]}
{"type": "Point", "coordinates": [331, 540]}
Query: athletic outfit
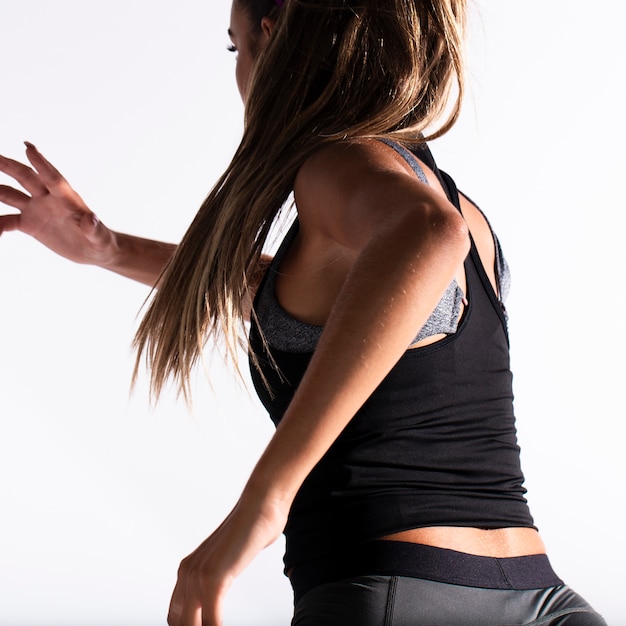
{"type": "Point", "coordinates": [434, 445]}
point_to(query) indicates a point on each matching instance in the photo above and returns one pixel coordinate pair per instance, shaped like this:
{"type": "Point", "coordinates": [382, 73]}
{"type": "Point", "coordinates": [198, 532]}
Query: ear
{"type": "Point", "coordinates": [267, 28]}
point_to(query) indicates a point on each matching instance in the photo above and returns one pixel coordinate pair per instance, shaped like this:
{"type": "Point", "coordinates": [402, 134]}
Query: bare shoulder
{"type": "Point", "coordinates": [338, 166]}
{"type": "Point", "coordinates": [348, 187]}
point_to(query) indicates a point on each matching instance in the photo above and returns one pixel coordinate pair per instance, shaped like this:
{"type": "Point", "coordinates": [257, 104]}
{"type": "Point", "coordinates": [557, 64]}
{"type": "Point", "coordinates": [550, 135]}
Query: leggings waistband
{"type": "Point", "coordinates": [398, 558]}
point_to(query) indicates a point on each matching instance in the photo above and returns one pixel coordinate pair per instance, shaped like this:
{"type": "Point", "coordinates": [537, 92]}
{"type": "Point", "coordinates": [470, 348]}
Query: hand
{"type": "Point", "coordinates": [53, 213]}
{"type": "Point", "coordinates": [206, 574]}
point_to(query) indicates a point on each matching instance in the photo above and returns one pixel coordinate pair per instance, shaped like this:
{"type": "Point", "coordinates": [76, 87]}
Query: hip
{"type": "Point", "coordinates": [406, 601]}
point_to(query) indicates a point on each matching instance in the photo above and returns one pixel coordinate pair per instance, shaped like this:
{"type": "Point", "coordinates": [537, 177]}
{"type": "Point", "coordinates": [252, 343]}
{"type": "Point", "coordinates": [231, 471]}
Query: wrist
{"type": "Point", "coordinates": [111, 255]}
{"type": "Point", "coordinates": [141, 259]}
{"type": "Point", "coordinates": [267, 498]}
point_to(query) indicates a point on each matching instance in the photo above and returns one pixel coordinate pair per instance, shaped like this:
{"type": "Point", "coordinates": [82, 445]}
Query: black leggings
{"type": "Point", "coordinates": [466, 591]}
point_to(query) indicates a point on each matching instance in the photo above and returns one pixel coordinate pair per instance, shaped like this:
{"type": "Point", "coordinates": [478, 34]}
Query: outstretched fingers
{"type": "Point", "coordinates": [9, 222]}
{"type": "Point", "coordinates": [24, 175]}
{"type": "Point", "coordinates": [49, 175]}
{"type": "Point", "coordinates": [13, 197]}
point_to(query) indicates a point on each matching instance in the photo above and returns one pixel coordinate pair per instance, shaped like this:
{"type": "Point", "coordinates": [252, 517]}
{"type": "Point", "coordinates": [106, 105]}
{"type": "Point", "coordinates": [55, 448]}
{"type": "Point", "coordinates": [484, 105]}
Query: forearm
{"type": "Point", "coordinates": [53, 213]}
{"type": "Point", "coordinates": [137, 258]}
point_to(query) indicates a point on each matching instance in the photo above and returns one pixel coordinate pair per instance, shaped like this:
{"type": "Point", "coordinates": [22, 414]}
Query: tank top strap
{"type": "Point", "coordinates": [453, 195]}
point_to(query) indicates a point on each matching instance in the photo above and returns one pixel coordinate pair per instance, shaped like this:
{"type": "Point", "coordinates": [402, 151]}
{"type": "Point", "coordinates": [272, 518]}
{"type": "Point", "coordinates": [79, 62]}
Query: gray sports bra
{"type": "Point", "coordinates": [284, 332]}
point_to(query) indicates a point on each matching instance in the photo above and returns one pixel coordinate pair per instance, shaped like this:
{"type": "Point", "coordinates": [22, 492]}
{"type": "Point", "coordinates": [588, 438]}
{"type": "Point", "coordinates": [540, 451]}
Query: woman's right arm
{"type": "Point", "coordinates": [54, 214]}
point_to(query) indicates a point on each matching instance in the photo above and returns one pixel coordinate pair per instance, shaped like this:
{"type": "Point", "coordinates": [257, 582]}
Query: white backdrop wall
{"type": "Point", "coordinates": [135, 102]}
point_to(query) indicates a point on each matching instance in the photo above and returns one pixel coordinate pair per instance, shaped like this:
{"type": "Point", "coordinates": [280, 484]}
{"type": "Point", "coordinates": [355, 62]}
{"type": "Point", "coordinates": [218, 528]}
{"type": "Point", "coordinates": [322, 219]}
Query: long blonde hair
{"type": "Point", "coordinates": [333, 70]}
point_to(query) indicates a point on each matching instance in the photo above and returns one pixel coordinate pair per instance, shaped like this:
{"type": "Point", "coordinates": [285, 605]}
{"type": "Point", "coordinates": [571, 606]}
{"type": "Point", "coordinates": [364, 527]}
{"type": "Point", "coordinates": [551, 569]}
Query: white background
{"type": "Point", "coordinates": [135, 102]}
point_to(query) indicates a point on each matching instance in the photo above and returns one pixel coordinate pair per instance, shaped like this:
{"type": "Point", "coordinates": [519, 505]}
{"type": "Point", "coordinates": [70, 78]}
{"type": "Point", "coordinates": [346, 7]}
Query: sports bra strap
{"type": "Point", "coordinates": [409, 157]}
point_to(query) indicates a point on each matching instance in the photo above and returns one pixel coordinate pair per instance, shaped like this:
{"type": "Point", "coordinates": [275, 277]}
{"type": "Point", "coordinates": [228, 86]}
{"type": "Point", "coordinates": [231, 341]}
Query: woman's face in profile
{"type": "Point", "coordinates": [245, 43]}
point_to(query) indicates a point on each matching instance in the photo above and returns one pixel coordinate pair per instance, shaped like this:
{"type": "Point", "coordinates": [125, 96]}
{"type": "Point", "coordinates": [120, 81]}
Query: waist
{"type": "Point", "coordinates": [498, 542]}
{"type": "Point", "coordinates": [415, 560]}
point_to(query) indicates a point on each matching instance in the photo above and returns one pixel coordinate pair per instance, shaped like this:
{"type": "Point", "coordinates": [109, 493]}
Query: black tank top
{"type": "Point", "coordinates": [434, 445]}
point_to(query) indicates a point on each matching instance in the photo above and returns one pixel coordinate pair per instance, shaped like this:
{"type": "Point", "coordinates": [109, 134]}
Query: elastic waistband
{"type": "Point", "coordinates": [398, 558]}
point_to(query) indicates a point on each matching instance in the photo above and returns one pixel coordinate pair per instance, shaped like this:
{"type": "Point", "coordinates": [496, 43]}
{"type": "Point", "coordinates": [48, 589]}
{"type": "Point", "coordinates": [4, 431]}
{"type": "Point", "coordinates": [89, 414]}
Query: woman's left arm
{"type": "Point", "coordinates": [409, 242]}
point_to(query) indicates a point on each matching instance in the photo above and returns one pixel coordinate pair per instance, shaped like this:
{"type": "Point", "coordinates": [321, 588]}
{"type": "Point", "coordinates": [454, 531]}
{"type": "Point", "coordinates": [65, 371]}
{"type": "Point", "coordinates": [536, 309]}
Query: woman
{"type": "Point", "coordinates": [394, 469]}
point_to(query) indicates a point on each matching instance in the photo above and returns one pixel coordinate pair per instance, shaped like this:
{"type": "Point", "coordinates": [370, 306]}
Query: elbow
{"type": "Point", "coordinates": [451, 240]}
{"type": "Point", "coordinates": [456, 235]}
{"type": "Point", "coordinates": [437, 227]}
